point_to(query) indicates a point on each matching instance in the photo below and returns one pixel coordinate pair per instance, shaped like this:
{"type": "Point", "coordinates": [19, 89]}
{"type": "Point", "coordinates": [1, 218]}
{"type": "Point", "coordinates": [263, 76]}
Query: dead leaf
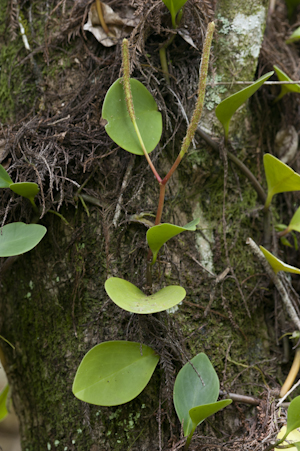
{"type": "Point", "coordinates": [118, 26]}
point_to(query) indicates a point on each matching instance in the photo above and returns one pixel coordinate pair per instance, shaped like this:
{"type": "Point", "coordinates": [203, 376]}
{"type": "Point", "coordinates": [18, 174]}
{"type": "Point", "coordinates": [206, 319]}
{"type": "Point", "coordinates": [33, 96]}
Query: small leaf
{"type": "Point", "coordinates": [293, 416]}
{"type": "Point", "coordinates": [278, 265]}
{"type": "Point", "coordinates": [5, 179]}
{"type": "Point", "coordinates": [3, 402]}
{"type": "Point", "coordinates": [228, 106]}
{"type": "Point", "coordinates": [174, 6]}
{"type": "Point", "coordinates": [295, 221]}
{"type": "Point", "coordinates": [285, 242]}
{"type": "Point", "coordinates": [280, 177]}
{"type": "Point", "coordinates": [130, 298]}
{"type": "Point", "coordinates": [25, 189]}
{"type": "Point", "coordinates": [285, 89]}
{"type": "Point", "coordinates": [17, 238]}
{"type": "Point", "coordinates": [160, 234]}
{"type": "Point", "coordinates": [192, 391]}
{"type": "Point", "coordinates": [200, 413]}
{"type": "Point", "coordinates": [295, 36]}
{"type": "Point", "coordinates": [292, 438]}
{"type": "Point", "coordinates": [119, 126]}
{"type": "Point", "coordinates": [114, 372]}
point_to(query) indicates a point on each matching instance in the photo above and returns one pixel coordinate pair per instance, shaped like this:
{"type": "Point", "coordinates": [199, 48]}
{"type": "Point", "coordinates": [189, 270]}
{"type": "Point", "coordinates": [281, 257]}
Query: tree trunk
{"type": "Point", "coordinates": [53, 304]}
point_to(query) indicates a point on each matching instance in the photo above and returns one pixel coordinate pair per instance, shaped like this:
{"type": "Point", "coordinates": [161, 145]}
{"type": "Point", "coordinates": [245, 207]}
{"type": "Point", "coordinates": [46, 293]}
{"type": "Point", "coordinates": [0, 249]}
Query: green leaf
{"type": "Point", "coordinates": [285, 89]}
{"type": "Point", "coordinates": [278, 265]}
{"type": "Point", "coordinates": [280, 177]}
{"type": "Point", "coordinates": [17, 238]}
{"type": "Point", "coordinates": [285, 242]}
{"type": "Point", "coordinates": [160, 234]}
{"type": "Point", "coordinates": [228, 106]}
{"type": "Point", "coordinates": [3, 402]}
{"type": "Point", "coordinates": [190, 391]}
{"type": "Point", "coordinates": [119, 126]}
{"type": "Point", "coordinates": [295, 221]}
{"type": "Point", "coordinates": [114, 372]}
{"type": "Point", "coordinates": [25, 189]}
{"type": "Point", "coordinates": [293, 415]}
{"type": "Point", "coordinates": [5, 179]}
{"type": "Point", "coordinates": [295, 36]}
{"type": "Point", "coordinates": [174, 6]}
{"type": "Point", "coordinates": [200, 413]}
{"type": "Point", "coordinates": [130, 298]}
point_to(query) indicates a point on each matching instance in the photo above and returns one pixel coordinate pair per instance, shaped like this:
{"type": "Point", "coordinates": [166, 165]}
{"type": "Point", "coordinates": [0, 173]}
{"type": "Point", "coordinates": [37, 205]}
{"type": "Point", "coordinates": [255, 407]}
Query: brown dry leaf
{"type": "Point", "coordinates": [118, 26]}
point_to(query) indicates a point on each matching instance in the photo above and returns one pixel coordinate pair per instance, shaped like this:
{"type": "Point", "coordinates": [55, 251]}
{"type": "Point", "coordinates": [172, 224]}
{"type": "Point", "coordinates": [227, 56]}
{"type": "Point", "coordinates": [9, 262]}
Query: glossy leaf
{"type": "Point", "coordinates": [280, 177]}
{"type": "Point", "coordinates": [292, 437]}
{"type": "Point", "coordinates": [119, 125]}
{"type": "Point", "coordinates": [228, 106]}
{"type": "Point", "coordinates": [3, 402]}
{"type": "Point", "coordinates": [200, 413]}
{"type": "Point", "coordinates": [174, 6]}
{"type": "Point", "coordinates": [278, 265]}
{"type": "Point", "coordinates": [17, 238]}
{"type": "Point", "coordinates": [25, 189]}
{"type": "Point", "coordinates": [5, 179]}
{"type": "Point", "coordinates": [293, 415]}
{"type": "Point", "coordinates": [114, 372]}
{"type": "Point", "coordinates": [295, 36]}
{"type": "Point", "coordinates": [285, 89]}
{"type": "Point", "coordinates": [130, 298]}
{"type": "Point", "coordinates": [192, 391]}
{"type": "Point", "coordinates": [160, 234]}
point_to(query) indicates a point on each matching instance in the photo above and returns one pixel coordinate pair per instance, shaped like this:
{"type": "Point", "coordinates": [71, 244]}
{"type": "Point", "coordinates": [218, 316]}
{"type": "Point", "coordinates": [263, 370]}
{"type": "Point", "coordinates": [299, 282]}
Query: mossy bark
{"type": "Point", "coordinates": [239, 35]}
{"type": "Point", "coordinates": [53, 306]}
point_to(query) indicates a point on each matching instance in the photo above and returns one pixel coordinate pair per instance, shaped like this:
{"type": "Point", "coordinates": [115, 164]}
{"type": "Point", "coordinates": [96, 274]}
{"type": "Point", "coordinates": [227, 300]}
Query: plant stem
{"type": "Point", "coordinates": [162, 190]}
{"type": "Point", "coordinates": [200, 101]}
{"type": "Point", "coordinates": [164, 63]}
{"type": "Point", "coordinates": [34, 206]}
{"type": "Point", "coordinates": [283, 232]}
{"type": "Point", "coordinates": [130, 106]}
{"type": "Point", "coordinates": [188, 441]}
{"type": "Point", "coordinates": [163, 57]}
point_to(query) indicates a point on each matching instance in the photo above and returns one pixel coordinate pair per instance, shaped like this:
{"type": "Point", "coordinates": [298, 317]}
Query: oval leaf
{"type": "Point", "coordinates": [17, 238]}
{"type": "Point", "coordinates": [192, 391]}
{"type": "Point", "coordinates": [280, 177]}
{"type": "Point", "coordinates": [228, 106]}
{"type": "Point", "coordinates": [119, 126]}
{"type": "Point", "coordinates": [132, 299]}
{"type": "Point", "coordinates": [160, 234]}
{"type": "Point", "coordinates": [5, 180]}
{"type": "Point", "coordinates": [25, 189]}
{"type": "Point", "coordinates": [278, 265]}
{"type": "Point", "coordinates": [200, 413]}
{"type": "Point", "coordinates": [114, 372]}
{"type": "Point", "coordinates": [285, 89]}
{"type": "Point", "coordinates": [294, 36]}
{"type": "Point", "coordinates": [293, 415]}
{"type": "Point", "coordinates": [3, 402]}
